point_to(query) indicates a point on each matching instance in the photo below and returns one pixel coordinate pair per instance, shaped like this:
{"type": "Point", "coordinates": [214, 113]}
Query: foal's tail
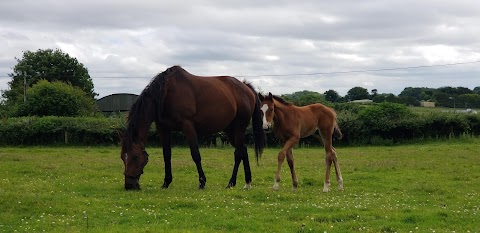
{"type": "Point", "coordinates": [258, 132]}
{"type": "Point", "coordinates": [336, 131]}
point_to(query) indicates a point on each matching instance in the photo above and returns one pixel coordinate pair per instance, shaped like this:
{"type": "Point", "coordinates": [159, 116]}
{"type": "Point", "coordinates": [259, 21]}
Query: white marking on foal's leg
{"type": "Point", "coordinates": [247, 186]}
{"type": "Point", "coordinates": [326, 187]}
{"type": "Point", "coordinates": [340, 184]}
{"type": "Point", "coordinates": [276, 185]}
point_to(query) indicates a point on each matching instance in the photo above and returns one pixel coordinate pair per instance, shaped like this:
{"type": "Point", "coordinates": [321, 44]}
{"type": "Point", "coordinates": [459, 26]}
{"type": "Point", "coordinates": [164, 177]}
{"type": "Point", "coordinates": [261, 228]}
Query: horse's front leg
{"type": "Point", "coordinates": [191, 135]}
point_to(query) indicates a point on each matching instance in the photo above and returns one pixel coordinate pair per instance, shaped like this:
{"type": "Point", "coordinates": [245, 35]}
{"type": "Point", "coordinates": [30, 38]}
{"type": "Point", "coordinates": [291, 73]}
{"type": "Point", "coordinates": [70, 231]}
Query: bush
{"type": "Point", "coordinates": [56, 99]}
{"type": "Point", "coordinates": [386, 126]}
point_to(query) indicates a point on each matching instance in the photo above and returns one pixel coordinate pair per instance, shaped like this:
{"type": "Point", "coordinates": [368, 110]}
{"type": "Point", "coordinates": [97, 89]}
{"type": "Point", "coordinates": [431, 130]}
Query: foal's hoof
{"type": "Point", "coordinates": [340, 185]}
{"type": "Point", "coordinates": [201, 187]}
{"type": "Point", "coordinates": [326, 187]}
{"type": "Point", "coordinates": [247, 186]}
{"type": "Point", "coordinates": [276, 186]}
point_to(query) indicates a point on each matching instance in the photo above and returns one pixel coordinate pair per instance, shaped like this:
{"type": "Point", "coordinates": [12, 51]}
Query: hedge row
{"type": "Point", "coordinates": [357, 129]}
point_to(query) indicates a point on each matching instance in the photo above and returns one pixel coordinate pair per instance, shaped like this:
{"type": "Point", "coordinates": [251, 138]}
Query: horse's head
{"type": "Point", "coordinates": [268, 108]}
{"type": "Point", "coordinates": [134, 158]}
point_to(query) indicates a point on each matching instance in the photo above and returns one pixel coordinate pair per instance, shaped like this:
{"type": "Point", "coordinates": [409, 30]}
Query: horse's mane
{"type": "Point", "coordinates": [156, 91]}
{"type": "Point", "coordinates": [281, 100]}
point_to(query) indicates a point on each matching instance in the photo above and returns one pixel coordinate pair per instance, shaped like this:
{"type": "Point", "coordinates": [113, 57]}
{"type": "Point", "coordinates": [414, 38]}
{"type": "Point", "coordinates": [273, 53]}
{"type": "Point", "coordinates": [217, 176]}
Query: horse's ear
{"type": "Point", "coordinates": [270, 96]}
{"type": "Point", "coordinates": [260, 96]}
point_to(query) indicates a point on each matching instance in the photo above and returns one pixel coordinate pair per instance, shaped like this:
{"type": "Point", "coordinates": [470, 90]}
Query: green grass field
{"type": "Point", "coordinates": [431, 187]}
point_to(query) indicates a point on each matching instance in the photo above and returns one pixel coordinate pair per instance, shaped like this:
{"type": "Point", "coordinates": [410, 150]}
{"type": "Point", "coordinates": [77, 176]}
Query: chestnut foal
{"type": "Point", "coordinates": [289, 123]}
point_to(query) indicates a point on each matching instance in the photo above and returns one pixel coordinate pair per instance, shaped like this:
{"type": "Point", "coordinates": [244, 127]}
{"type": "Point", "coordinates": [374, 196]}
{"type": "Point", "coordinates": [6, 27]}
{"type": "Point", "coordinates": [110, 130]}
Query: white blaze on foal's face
{"type": "Point", "coordinates": [266, 110]}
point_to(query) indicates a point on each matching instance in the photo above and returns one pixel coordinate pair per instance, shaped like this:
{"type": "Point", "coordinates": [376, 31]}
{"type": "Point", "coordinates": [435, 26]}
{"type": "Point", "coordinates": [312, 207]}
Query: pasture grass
{"type": "Point", "coordinates": [431, 187]}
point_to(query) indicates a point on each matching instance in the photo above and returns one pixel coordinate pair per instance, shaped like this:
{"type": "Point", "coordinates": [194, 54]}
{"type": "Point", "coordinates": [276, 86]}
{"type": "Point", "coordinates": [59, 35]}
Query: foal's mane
{"type": "Point", "coordinates": [281, 100]}
{"type": "Point", "coordinates": [155, 91]}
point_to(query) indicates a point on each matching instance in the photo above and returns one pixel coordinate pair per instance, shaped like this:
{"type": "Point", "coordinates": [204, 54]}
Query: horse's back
{"type": "Point", "coordinates": [212, 103]}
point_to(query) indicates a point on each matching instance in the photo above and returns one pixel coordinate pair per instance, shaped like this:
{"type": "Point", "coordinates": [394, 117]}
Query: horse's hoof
{"type": "Point", "coordinates": [247, 186]}
{"type": "Point", "coordinates": [165, 186]}
{"type": "Point", "coordinates": [326, 187]}
{"type": "Point", "coordinates": [276, 186]}
{"type": "Point", "coordinates": [340, 185]}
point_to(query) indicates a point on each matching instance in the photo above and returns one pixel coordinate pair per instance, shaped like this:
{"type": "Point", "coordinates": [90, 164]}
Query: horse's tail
{"type": "Point", "coordinates": [336, 131]}
{"type": "Point", "coordinates": [258, 132]}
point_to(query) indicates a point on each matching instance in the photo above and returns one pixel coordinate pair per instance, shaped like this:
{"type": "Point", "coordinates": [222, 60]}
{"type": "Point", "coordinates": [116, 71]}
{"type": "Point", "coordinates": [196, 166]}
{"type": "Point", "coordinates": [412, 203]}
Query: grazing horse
{"type": "Point", "coordinates": [289, 123]}
{"type": "Point", "coordinates": [179, 101]}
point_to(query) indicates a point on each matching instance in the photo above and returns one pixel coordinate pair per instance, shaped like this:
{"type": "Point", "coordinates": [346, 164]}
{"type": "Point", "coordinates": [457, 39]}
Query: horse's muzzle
{"type": "Point", "coordinates": [131, 183]}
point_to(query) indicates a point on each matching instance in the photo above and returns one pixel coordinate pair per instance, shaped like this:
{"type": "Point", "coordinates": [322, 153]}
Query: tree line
{"type": "Point", "coordinates": [52, 83]}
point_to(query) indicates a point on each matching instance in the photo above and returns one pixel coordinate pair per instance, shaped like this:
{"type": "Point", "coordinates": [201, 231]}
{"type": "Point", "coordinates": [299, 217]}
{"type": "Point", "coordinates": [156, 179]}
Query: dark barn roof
{"type": "Point", "coordinates": [120, 102]}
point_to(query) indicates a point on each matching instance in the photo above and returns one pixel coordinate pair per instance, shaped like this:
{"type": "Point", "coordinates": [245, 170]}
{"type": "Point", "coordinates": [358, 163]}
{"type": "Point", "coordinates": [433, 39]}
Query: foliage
{"type": "Point", "coordinates": [382, 124]}
{"type": "Point", "coordinates": [419, 93]}
{"type": "Point", "coordinates": [444, 96]}
{"type": "Point", "coordinates": [406, 100]}
{"type": "Point", "coordinates": [476, 90]}
{"type": "Point", "coordinates": [302, 98]}
{"type": "Point", "coordinates": [357, 93]}
{"type": "Point", "coordinates": [385, 119]}
{"type": "Point", "coordinates": [332, 96]}
{"type": "Point", "coordinates": [57, 99]}
{"type": "Point", "coordinates": [405, 188]}
{"type": "Point", "coordinates": [60, 130]}
{"type": "Point", "coordinates": [50, 65]}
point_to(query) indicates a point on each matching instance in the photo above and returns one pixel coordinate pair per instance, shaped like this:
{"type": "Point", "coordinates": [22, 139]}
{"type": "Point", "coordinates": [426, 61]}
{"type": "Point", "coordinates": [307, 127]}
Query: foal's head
{"type": "Point", "coordinates": [134, 158]}
{"type": "Point", "coordinates": [268, 109]}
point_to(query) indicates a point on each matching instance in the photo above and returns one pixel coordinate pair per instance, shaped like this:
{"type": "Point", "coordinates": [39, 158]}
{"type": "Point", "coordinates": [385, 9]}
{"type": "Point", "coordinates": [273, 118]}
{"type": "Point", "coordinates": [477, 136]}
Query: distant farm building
{"type": "Point", "coordinates": [116, 102]}
{"type": "Point", "coordinates": [427, 104]}
{"type": "Point", "coordinates": [364, 101]}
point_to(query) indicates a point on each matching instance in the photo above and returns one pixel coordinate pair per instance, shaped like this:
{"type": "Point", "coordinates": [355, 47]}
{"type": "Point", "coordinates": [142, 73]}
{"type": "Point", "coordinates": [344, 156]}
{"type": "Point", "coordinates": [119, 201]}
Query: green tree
{"type": "Point", "coordinates": [302, 98]}
{"type": "Point", "coordinates": [419, 93]}
{"type": "Point", "coordinates": [50, 65]}
{"type": "Point", "coordinates": [476, 90]}
{"type": "Point", "coordinates": [332, 96]}
{"type": "Point", "coordinates": [358, 93]}
{"type": "Point", "coordinates": [374, 93]}
{"type": "Point", "coordinates": [56, 99]}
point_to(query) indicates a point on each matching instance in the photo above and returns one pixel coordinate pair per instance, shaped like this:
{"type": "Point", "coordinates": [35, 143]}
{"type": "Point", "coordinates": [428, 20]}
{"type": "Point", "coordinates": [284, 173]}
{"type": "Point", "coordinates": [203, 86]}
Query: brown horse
{"type": "Point", "coordinates": [290, 123]}
{"type": "Point", "coordinates": [179, 101]}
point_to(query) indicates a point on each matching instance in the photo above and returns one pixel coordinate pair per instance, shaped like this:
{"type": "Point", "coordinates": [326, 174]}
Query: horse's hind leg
{"type": "Point", "coordinates": [331, 157]}
{"type": "Point", "coordinates": [191, 135]}
{"type": "Point", "coordinates": [337, 170]}
{"type": "Point", "coordinates": [287, 146]}
{"type": "Point", "coordinates": [291, 164]}
{"type": "Point", "coordinates": [167, 157]}
{"type": "Point", "coordinates": [240, 154]}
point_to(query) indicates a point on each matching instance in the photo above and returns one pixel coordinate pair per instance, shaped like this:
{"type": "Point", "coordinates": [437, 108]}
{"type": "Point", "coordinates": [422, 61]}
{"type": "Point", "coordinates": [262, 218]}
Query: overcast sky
{"type": "Point", "coordinates": [282, 40]}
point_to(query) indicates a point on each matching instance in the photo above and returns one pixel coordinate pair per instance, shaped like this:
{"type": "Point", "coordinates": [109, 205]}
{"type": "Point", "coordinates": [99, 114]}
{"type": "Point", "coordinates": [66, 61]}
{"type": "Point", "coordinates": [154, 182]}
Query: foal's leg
{"type": "Point", "coordinates": [331, 157]}
{"type": "Point", "coordinates": [191, 135]}
{"type": "Point", "coordinates": [337, 170]}
{"type": "Point", "coordinates": [288, 145]}
{"type": "Point", "coordinates": [290, 161]}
